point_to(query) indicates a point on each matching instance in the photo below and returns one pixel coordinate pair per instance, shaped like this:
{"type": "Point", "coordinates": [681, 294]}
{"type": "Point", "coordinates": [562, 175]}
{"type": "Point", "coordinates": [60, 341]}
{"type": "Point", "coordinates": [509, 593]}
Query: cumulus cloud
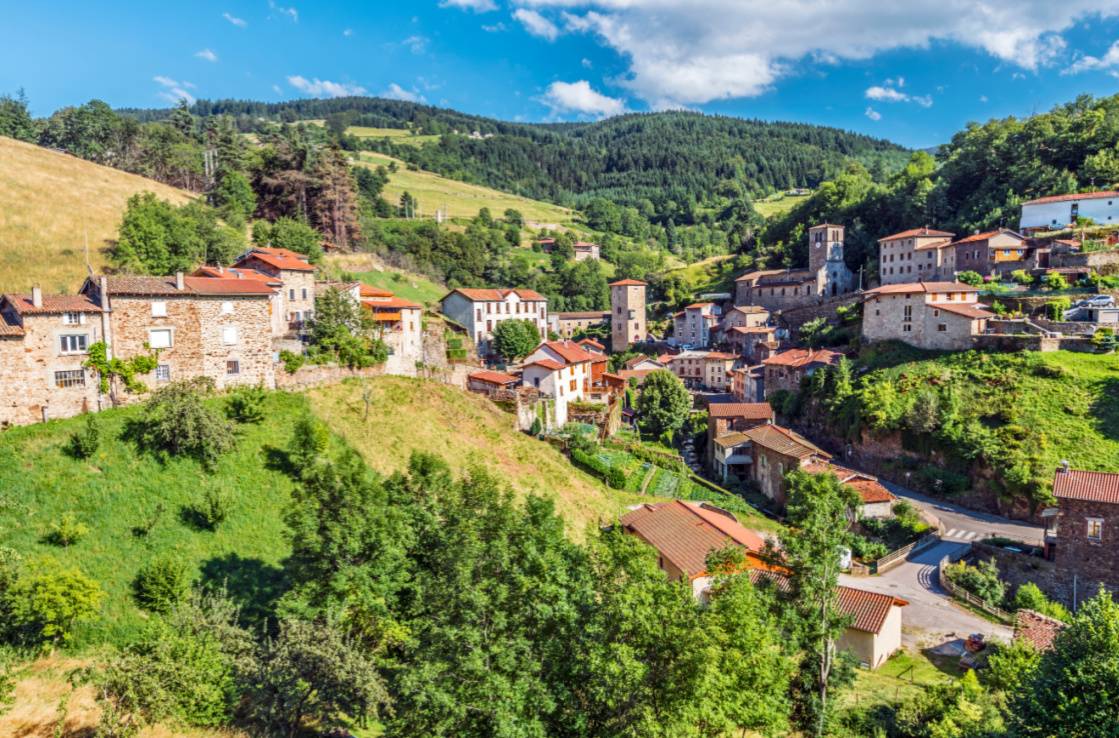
{"type": "Point", "coordinates": [396, 92]}
{"type": "Point", "coordinates": [239, 22]}
{"type": "Point", "coordinates": [1109, 60]}
{"type": "Point", "coordinates": [892, 94]}
{"type": "Point", "coordinates": [873, 114]}
{"type": "Point", "coordinates": [324, 88]}
{"type": "Point", "coordinates": [536, 24]}
{"type": "Point", "coordinates": [704, 50]}
{"type": "Point", "coordinates": [478, 6]}
{"type": "Point", "coordinates": [173, 90]}
{"type": "Point", "coordinates": [579, 97]}
{"type": "Point", "coordinates": [207, 55]}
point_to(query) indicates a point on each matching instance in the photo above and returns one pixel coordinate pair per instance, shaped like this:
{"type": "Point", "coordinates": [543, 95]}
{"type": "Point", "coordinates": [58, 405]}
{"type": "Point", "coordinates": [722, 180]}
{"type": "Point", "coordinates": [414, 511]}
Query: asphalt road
{"type": "Point", "coordinates": [964, 525]}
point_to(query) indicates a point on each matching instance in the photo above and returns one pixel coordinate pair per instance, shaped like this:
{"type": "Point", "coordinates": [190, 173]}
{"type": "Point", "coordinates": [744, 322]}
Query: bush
{"type": "Point", "coordinates": [246, 404]}
{"type": "Point", "coordinates": [214, 507]}
{"type": "Point", "coordinates": [1055, 309]}
{"type": "Point", "coordinates": [176, 422]}
{"type": "Point", "coordinates": [982, 580]}
{"type": "Point", "coordinates": [975, 279]}
{"type": "Point", "coordinates": [1021, 276]}
{"type": "Point", "coordinates": [292, 361]}
{"type": "Point", "coordinates": [1030, 597]}
{"type": "Point", "coordinates": [613, 476]}
{"type": "Point", "coordinates": [1054, 281]}
{"type": "Point", "coordinates": [161, 585]}
{"type": "Point", "coordinates": [42, 602]}
{"type": "Point", "coordinates": [67, 530]}
{"type": "Point", "coordinates": [85, 442]}
{"type": "Point", "coordinates": [865, 549]}
{"type": "Point", "coordinates": [308, 442]}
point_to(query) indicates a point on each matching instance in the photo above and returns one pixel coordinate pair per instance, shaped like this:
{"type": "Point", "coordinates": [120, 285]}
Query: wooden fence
{"type": "Point", "coordinates": [892, 559]}
{"type": "Point", "coordinates": [962, 594]}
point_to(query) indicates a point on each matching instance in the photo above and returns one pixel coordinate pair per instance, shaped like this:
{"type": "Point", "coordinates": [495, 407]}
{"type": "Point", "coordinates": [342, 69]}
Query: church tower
{"type": "Point", "coordinates": [627, 314]}
{"type": "Point", "coordinates": [825, 244]}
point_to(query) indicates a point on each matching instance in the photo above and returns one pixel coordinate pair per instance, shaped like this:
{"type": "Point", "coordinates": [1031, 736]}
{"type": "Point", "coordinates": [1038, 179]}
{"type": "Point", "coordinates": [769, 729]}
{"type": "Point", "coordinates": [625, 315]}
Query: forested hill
{"type": "Point", "coordinates": [644, 160]}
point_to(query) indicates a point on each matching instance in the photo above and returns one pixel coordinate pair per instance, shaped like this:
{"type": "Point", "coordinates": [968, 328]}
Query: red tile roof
{"type": "Point", "coordinates": [569, 351]}
{"type": "Point", "coordinates": [391, 302]}
{"type": "Point", "coordinates": [52, 304]}
{"type": "Point", "coordinates": [869, 608]}
{"type": "Point", "coordinates": [279, 259]}
{"type": "Point", "coordinates": [684, 533]}
{"type": "Point", "coordinates": [976, 237]}
{"type": "Point", "coordinates": [918, 233]}
{"type": "Point", "coordinates": [212, 286]}
{"type": "Point", "coordinates": [699, 305]}
{"type": "Point", "coordinates": [803, 357]}
{"type": "Point", "coordinates": [584, 245]}
{"type": "Point", "coordinates": [747, 410]}
{"type": "Point", "coordinates": [480, 294]}
{"type": "Point", "coordinates": [968, 311]}
{"type": "Point", "coordinates": [490, 377]}
{"type": "Point", "coordinates": [546, 363]}
{"type": "Point", "coordinates": [1037, 629]}
{"type": "Point", "coordinates": [1087, 485]}
{"type": "Point", "coordinates": [628, 283]}
{"type": "Point", "coordinates": [236, 273]}
{"type": "Point", "coordinates": [869, 489]}
{"type": "Point", "coordinates": [922, 287]}
{"type": "Point", "coordinates": [1100, 195]}
{"type": "Point", "coordinates": [591, 343]}
{"type": "Point", "coordinates": [369, 291]}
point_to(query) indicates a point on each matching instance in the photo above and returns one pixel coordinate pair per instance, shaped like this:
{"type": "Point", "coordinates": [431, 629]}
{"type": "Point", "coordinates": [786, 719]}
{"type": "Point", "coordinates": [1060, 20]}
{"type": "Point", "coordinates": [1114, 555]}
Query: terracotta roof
{"type": "Point", "coordinates": [747, 410]}
{"type": "Point", "coordinates": [976, 237]}
{"type": "Point", "coordinates": [592, 343]}
{"type": "Point", "coordinates": [366, 290]}
{"type": "Point", "coordinates": [803, 357]}
{"type": "Point", "coordinates": [584, 245]}
{"type": "Point", "coordinates": [583, 315]}
{"type": "Point", "coordinates": [1086, 485]}
{"type": "Point", "coordinates": [784, 441]}
{"type": "Point", "coordinates": [748, 309]}
{"type": "Point", "coordinates": [482, 294]}
{"type": "Point", "coordinates": [212, 286]}
{"type": "Point", "coordinates": [1101, 195]}
{"type": "Point", "coordinates": [52, 304]}
{"type": "Point", "coordinates": [869, 608]}
{"type": "Point", "coordinates": [279, 259]}
{"type": "Point", "coordinates": [626, 374]}
{"type": "Point", "coordinates": [628, 283]}
{"type": "Point", "coordinates": [699, 305]}
{"type": "Point", "coordinates": [968, 311]}
{"type": "Point", "coordinates": [685, 533]}
{"type": "Point", "coordinates": [868, 487]}
{"type": "Point", "coordinates": [922, 287]}
{"type": "Point", "coordinates": [918, 233]}
{"type": "Point", "coordinates": [569, 351]}
{"type": "Point", "coordinates": [732, 439]}
{"type": "Point", "coordinates": [1037, 629]}
{"type": "Point", "coordinates": [719, 356]}
{"type": "Point", "coordinates": [546, 363]}
{"type": "Point", "coordinates": [236, 273]}
{"type": "Point", "coordinates": [753, 329]}
{"type": "Point", "coordinates": [485, 375]}
{"type": "Point", "coordinates": [778, 277]}
{"type": "Point", "coordinates": [398, 303]}
{"type": "Point", "coordinates": [9, 330]}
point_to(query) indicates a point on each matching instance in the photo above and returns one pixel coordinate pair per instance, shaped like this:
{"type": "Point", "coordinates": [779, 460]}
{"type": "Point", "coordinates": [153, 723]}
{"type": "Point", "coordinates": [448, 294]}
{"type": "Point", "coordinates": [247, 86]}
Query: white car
{"type": "Point", "coordinates": [1100, 301]}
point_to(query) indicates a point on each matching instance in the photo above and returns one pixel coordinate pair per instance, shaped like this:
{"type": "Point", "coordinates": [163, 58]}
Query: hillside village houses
{"type": "Point", "coordinates": [1084, 542]}
{"type": "Point", "coordinates": [694, 326]}
{"type": "Point", "coordinates": [827, 275]}
{"type": "Point", "coordinates": [297, 275]}
{"type": "Point", "coordinates": [480, 310]}
{"type": "Point", "coordinates": [992, 253]}
{"type": "Point", "coordinates": [919, 254]}
{"type": "Point", "coordinates": [701, 369]}
{"type": "Point", "coordinates": [627, 314]}
{"type": "Point", "coordinates": [561, 371]}
{"type": "Point", "coordinates": [931, 315]}
{"type": "Point", "coordinates": [785, 370]}
{"type": "Point", "coordinates": [1058, 211]}
{"type": "Point", "coordinates": [567, 324]}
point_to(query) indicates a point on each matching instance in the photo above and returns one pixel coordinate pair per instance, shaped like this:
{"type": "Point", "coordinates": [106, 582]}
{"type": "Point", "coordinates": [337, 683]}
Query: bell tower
{"type": "Point", "coordinates": [825, 244]}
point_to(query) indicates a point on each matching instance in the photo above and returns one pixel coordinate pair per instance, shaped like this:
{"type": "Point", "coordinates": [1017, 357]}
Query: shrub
{"type": "Point", "coordinates": [867, 550]}
{"type": "Point", "coordinates": [308, 442]}
{"type": "Point", "coordinates": [1055, 309]}
{"type": "Point", "coordinates": [1021, 276]}
{"type": "Point", "coordinates": [973, 278]}
{"type": "Point", "coordinates": [292, 361]}
{"type": "Point", "coordinates": [246, 404]}
{"type": "Point", "coordinates": [161, 585]}
{"type": "Point", "coordinates": [613, 476]}
{"type": "Point", "coordinates": [43, 601]}
{"type": "Point", "coordinates": [1054, 281]}
{"type": "Point", "coordinates": [84, 443]}
{"type": "Point", "coordinates": [175, 421]}
{"type": "Point", "coordinates": [982, 580]}
{"type": "Point", "coordinates": [214, 507]}
{"type": "Point", "coordinates": [1030, 597]}
{"type": "Point", "coordinates": [67, 530]}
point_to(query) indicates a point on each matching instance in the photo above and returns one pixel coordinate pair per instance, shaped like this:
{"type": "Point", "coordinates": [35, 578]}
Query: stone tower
{"type": "Point", "coordinates": [627, 314]}
{"type": "Point", "coordinates": [825, 244]}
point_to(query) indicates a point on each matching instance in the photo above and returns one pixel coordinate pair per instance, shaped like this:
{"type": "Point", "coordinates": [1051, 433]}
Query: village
{"type": "Point", "coordinates": [736, 354]}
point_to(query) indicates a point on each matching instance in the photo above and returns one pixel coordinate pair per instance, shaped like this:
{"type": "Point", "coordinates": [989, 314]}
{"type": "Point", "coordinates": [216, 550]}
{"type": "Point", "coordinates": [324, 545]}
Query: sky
{"type": "Point", "coordinates": [913, 72]}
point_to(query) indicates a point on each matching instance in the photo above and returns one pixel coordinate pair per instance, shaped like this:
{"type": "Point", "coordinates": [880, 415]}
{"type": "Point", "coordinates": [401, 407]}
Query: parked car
{"type": "Point", "coordinates": [1100, 301]}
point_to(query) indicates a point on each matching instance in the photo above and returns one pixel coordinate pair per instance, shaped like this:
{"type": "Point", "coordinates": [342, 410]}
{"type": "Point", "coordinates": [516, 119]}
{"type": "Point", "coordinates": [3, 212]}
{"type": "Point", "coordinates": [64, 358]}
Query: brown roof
{"type": "Point", "coordinates": [583, 315]}
{"type": "Point", "coordinates": [1037, 629]}
{"type": "Point", "coordinates": [869, 608]}
{"type": "Point", "coordinates": [753, 329]}
{"type": "Point", "coordinates": [1086, 485]}
{"type": "Point", "coordinates": [922, 287]}
{"type": "Point", "coordinates": [869, 489]}
{"type": "Point", "coordinates": [1101, 195]}
{"type": "Point", "coordinates": [212, 286]}
{"type": "Point", "coordinates": [778, 277]}
{"type": "Point", "coordinates": [146, 286]}
{"type": "Point", "coordinates": [197, 286]}
{"type": "Point", "coordinates": [9, 330]}
{"type": "Point", "coordinates": [976, 237]}
{"type": "Point", "coordinates": [546, 363]}
{"type": "Point", "coordinates": [784, 441]}
{"type": "Point", "coordinates": [755, 275]}
{"type": "Point", "coordinates": [748, 309]}
{"type": "Point", "coordinates": [747, 410]}
{"type": "Point", "coordinates": [236, 273]}
{"type": "Point", "coordinates": [485, 375]}
{"type": "Point", "coordinates": [628, 283]}
{"type": "Point", "coordinates": [685, 533]}
{"type": "Point", "coordinates": [279, 259]}
{"type": "Point", "coordinates": [569, 351]}
{"type": "Point", "coordinates": [918, 233]}
{"type": "Point", "coordinates": [480, 294]}
{"type": "Point", "coordinates": [591, 343]}
{"type": "Point", "coordinates": [968, 311]}
{"type": "Point", "coordinates": [732, 439]}
{"type": "Point", "coordinates": [52, 304]}
{"type": "Point", "coordinates": [803, 357]}
{"type": "Point", "coordinates": [395, 302]}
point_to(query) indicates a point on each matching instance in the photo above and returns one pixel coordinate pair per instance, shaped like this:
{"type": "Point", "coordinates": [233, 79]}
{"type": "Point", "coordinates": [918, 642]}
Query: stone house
{"type": "Point", "coordinates": [929, 315]}
{"type": "Point", "coordinates": [785, 370]}
{"type": "Point", "coordinates": [279, 320]}
{"type": "Point", "coordinates": [628, 319]}
{"type": "Point", "coordinates": [703, 369]}
{"type": "Point", "coordinates": [584, 251]}
{"type": "Point", "coordinates": [996, 252]}
{"type": "Point", "coordinates": [400, 325]}
{"type": "Point", "coordinates": [775, 451]}
{"type": "Point", "coordinates": [567, 324]}
{"type": "Point", "coordinates": [875, 501]}
{"type": "Point", "coordinates": [747, 383]}
{"type": "Point", "coordinates": [487, 382]}
{"type": "Point", "coordinates": [1085, 544]}
{"type": "Point", "coordinates": [44, 344]}
{"type": "Point", "coordinates": [827, 275]}
{"type": "Point", "coordinates": [297, 275]}
{"type": "Point", "coordinates": [724, 418]}
{"type": "Point", "coordinates": [480, 310]}
{"type": "Point", "coordinates": [200, 326]}
{"type": "Point", "coordinates": [561, 371]}
{"type": "Point", "coordinates": [694, 326]}
{"type": "Point", "coordinates": [919, 254]}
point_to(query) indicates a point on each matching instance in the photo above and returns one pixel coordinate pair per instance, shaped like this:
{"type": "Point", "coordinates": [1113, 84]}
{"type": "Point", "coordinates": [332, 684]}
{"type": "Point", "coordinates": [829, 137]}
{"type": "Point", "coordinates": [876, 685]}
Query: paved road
{"type": "Point", "coordinates": [932, 617]}
{"type": "Point", "coordinates": [964, 525]}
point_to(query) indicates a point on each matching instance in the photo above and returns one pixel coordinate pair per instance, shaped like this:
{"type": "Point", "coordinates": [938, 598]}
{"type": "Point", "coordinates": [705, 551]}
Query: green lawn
{"type": "Point", "coordinates": [715, 274]}
{"type": "Point", "coordinates": [906, 674]}
{"type": "Point", "coordinates": [778, 204]}
{"type": "Point", "coordinates": [398, 135]}
{"type": "Point", "coordinates": [409, 286]}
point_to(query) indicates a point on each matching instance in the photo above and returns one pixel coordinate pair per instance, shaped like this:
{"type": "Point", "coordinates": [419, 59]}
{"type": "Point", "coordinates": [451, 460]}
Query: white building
{"type": "Point", "coordinates": [1058, 211]}
{"type": "Point", "coordinates": [694, 325]}
{"type": "Point", "coordinates": [561, 371]}
{"type": "Point", "coordinates": [480, 310]}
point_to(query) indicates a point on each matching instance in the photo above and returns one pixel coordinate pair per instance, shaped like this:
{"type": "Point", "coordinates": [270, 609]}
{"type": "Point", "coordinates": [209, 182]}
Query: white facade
{"type": "Point", "coordinates": [1054, 213]}
{"type": "Point", "coordinates": [480, 310]}
{"type": "Point", "coordinates": [692, 326]}
{"type": "Point", "coordinates": [564, 384]}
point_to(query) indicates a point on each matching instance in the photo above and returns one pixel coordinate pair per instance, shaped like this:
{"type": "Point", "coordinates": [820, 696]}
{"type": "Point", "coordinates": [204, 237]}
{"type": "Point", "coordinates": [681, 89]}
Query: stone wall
{"type": "Point", "coordinates": [314, 375]}
{"type": "Point", "coordinates": [793, 318]}
{"type": "Point", "coordinates": [1018, 568]}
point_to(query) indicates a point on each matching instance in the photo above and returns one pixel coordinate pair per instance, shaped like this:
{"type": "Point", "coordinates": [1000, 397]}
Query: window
{"type": "Point", "coordinates": [229, 335]}
{"type": "Point", "coordinates": [233, 367]}
{"type": "Point", "coordinates": [489, 325]}
{"type": "Point", "coordinates": [573, 385]}
{"type": "Point", "coordinates": [907, 312]}
{"type": "Point", "coordinates": [75, 344]}
{"type": "Point", "coordinates": [163, 373]}
{"type": "Point", "coordinates": [479, 314]}
{"type": "Point", "coordinates": [941, 327]}
{"type": "Point", "coordinates": [159, 309]}
{"type": "Point", "coordinates": [1095, 529]}
{"type": "Point", "coordinates": [159, 338]}
{"type": "Point", "coordinates": [73, 318]}
{"type": "Point", "coordinates": [226, 307]}
{"type": "Point", "coordinates": [291, 293]}
{"type": "Point", "coordinates": [70, 378]}
{"type": "Point", "coordinates": [304, 293]}
{"type": "Point", "coordinates": [907, 327]}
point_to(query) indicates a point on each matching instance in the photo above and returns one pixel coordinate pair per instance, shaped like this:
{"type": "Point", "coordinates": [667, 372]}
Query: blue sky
{"type": "Point", "coordinates": [911, 72]}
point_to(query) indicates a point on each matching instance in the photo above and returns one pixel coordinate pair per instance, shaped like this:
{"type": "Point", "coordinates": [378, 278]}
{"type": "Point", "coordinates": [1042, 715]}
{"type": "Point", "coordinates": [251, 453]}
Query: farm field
{"type": "Point", "coordinates": [779, 204]}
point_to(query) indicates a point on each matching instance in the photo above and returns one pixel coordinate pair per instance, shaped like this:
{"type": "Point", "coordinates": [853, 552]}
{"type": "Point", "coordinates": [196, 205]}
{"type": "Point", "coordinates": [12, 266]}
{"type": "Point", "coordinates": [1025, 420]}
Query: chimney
{"type": "Point", "coordinates": [37, 296]}
{"type": "Point", "coordinates": [103, 288]}
{"type": "Point", "coordinates": [180, 282]}
{"type": "Point", "coordinates": [1064, 466]}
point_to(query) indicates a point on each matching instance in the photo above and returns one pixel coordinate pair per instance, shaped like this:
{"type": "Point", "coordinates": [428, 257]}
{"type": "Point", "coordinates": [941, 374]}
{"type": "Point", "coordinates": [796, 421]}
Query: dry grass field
{"type": "Point", "coordinates": [50, 204]}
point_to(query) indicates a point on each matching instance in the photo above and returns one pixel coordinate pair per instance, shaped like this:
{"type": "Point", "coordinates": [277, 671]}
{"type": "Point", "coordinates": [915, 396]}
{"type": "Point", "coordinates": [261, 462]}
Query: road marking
{"type": "Point", "coordinates": [970, 535]}
{"type": "Point", "coordinates": [952, 533]}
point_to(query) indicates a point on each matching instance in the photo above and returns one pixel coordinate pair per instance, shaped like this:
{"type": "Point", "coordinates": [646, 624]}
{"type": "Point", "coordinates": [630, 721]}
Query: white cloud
{"type": "Point", "coordinates": [396, 92]}
{"type": "Point", "coordinates": [239, 22]}
{"type": "Point", "coordinates": [494, 28]}
{"type": "Point", "coordinates": [348, 32]}
{"type": "Point", "coordinates": [873, 114]}
{"type": "Point", "coordinates": [587, 63]}
{"type": "Point", "coordinates": [277, 89]}
{"type": "Point", "coordinates": [891, 94]}
{"type": "Point", "coordinates": [290, 12]}
{"type": "Point", "coordinates": [207, 55]}
{"type": "Point", "coordinates": [173, 91]}
{"type": "Point", "coordinates": [689, 53]}
{"type": "Point", "coordinates": [982, 98]}
{"type": "Point", "coordinates": [478, 6]}
{"type": "Point", "coordinates": [416, 44]}
{"type": "Point", "coordinates": [536, 24]}
{"type": "Point", "coordinates": [579, 97]}
{"type": "Point", "coordinates": [1093, 63]}
{"type": "Point", "coordinates": [324, 88]}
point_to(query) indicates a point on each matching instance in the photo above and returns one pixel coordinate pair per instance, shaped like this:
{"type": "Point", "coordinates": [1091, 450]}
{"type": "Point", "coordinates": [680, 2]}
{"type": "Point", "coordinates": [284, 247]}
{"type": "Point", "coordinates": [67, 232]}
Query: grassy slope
{"type": "Point", "coordinates": [461, 200]}
{"type": "Point", "coordinates": [398, 135]}
{"type": "Point", "coordinates": [777, 205]}
{"type": "Point", "coordinates": [409, 415]}
{"type": "Point", "coordinates": [49, 203]}
{"type": "Point", "coordinates": [710, 275]}
{"type": "Point", "coordinates": [370, 270]}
